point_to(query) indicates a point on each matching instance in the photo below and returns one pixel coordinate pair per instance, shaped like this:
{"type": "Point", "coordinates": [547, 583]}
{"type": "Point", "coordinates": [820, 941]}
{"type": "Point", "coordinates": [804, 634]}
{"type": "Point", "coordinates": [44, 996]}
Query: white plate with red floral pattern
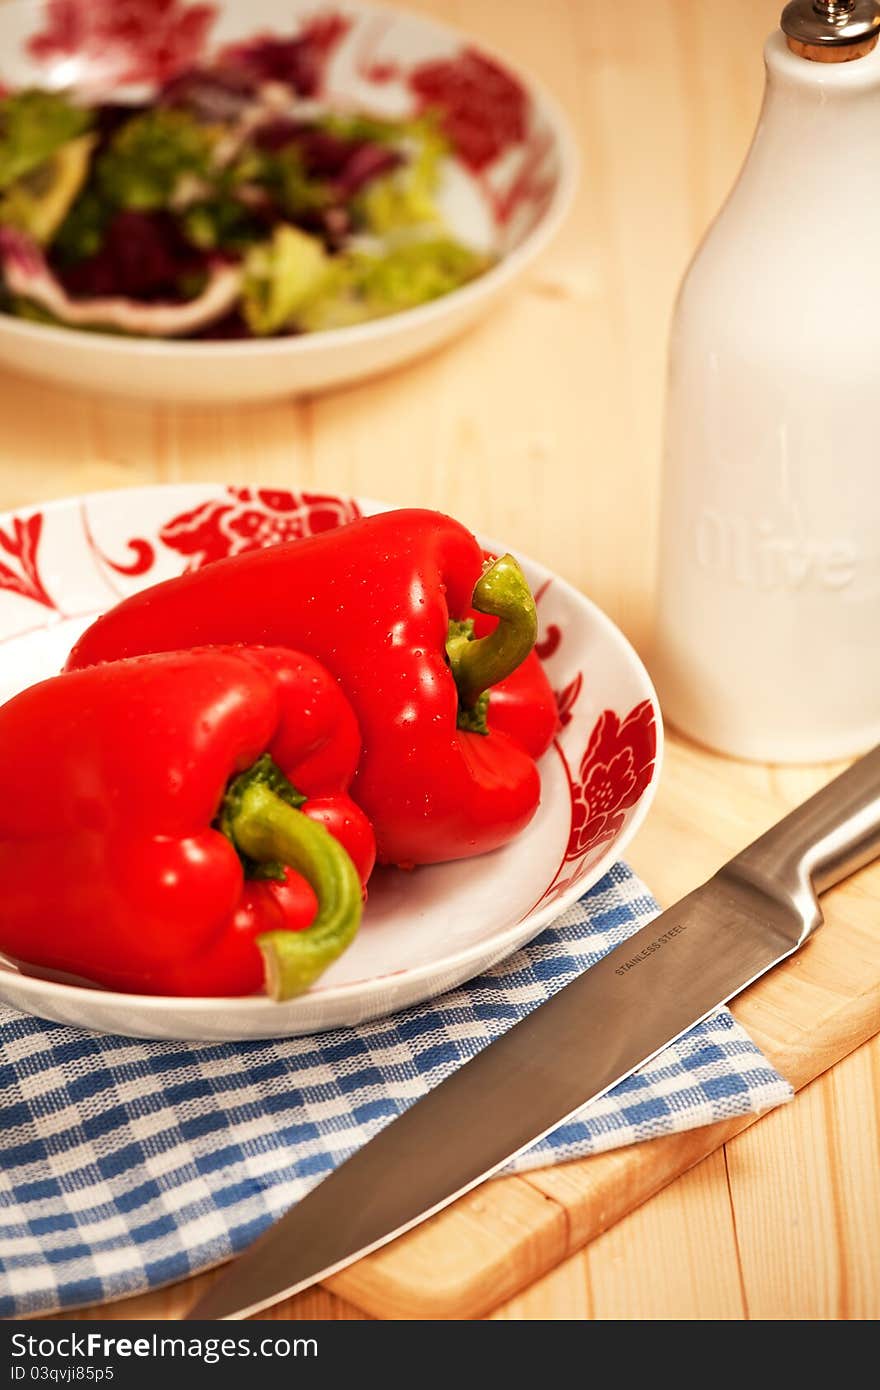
{"type": "Point", "coordinates": [423, 931]}
{"type": "Point", "coordinates": [505, 188]}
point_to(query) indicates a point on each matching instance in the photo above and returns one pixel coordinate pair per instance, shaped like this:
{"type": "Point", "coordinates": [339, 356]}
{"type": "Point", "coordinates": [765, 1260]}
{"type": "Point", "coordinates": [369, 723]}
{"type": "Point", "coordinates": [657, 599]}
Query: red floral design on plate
{"type": "Point", "coordinates": [566, 699]}
{"type": "Point", "coordinates": [368, 64]}
{"type": "Point", "coordinates": [484, 108]}
{"type": "Point", "coordinates": [614, 771]}
{"type": "Point", "coordinates": [549, 643]}
{"type": "Point", "coordinates": [300, 61]}
{"type": "Point", "coordinates": [249, 519]}
{"type": "Point", "coordinates": [144, 554]}
{"type": "Point", "coordinates": [22, 544]}
{"type": "Point", "coordinates": [532, 185]}
{"type": "Point", "coordinates": [126, 40]}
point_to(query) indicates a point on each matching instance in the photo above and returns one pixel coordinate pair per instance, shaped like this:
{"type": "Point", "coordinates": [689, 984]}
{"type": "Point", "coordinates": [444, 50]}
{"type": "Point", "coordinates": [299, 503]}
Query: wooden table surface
{"type": "Point", "coordinates": [543, 427]}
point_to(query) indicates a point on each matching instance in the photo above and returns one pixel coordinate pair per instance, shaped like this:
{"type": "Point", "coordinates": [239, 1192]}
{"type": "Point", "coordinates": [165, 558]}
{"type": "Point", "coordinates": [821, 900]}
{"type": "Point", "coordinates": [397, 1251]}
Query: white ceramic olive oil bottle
{"type": "Point", "coordinates": [768, 629]}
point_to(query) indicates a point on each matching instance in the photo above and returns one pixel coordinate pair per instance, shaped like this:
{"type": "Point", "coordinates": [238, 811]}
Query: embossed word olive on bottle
{"type": "Point", "coordinates": [768, 630]}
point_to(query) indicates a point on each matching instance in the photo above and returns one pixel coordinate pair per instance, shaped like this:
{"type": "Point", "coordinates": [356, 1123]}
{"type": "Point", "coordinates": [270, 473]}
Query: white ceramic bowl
{"type": "Point", "coordinates": [425, 931]}
{"type": "Point", "coordinates": [512, 206]}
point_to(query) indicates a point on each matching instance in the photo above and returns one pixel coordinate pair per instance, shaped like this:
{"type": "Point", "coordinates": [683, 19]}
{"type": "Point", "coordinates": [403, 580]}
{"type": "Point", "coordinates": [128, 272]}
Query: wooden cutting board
{"type": "Point", "coordinates": [806, 1015]}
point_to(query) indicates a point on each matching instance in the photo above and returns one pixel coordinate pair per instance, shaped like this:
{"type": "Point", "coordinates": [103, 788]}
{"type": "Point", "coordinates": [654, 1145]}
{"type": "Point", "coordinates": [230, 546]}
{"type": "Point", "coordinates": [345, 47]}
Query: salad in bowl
{"type": "Point", "coordinates": [170, 172]}
{"type": "Point", "coordinates": [231, 204]}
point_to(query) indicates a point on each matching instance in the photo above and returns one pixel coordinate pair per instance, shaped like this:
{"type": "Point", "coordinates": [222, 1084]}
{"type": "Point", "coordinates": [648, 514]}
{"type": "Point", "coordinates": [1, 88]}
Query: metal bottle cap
{"type": "Point", "coordinates": [831, 23]}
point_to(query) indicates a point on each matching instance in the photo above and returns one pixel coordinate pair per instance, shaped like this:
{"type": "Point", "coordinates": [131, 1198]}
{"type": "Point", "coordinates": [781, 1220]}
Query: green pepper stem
{"type": "Point", "coordinates": [270, 831]}
{"type": "Point", "coordinates": [478, 664]}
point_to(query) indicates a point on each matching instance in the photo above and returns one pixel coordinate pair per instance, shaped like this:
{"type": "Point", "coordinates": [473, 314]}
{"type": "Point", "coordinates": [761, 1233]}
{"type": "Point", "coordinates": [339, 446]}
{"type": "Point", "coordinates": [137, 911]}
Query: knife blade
{"type": "Point", "coordinates": [673, 973]}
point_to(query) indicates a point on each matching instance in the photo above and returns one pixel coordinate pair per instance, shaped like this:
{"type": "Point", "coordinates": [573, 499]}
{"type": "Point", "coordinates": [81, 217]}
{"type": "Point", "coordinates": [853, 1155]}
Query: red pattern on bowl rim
{"type": "Point", "coordinates": [246, 519]}
{"type": "Point", "coordinates": [125, 40]}
{"type": "Point", "coordinates": [20, 574]}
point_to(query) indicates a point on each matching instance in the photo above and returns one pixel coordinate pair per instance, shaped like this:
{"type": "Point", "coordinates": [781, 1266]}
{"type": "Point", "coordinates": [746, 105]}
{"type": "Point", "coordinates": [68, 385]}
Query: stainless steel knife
{"type": "Point", "coordinates": [671, 974]}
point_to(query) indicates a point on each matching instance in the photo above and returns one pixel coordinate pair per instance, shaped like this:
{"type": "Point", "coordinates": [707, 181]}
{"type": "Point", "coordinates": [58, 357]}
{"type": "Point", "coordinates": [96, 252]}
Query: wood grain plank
{"type": "Point", "coordinates": [629, 1267]}
{"type": "Point", "coordinates": [630, 1264]}
{"type": "Point", "coordinates": [487, 1247]}
{"type": "Point", "coordinates": [810, 1248]}
{"type": "Point", "coordinates": [563, 1295]}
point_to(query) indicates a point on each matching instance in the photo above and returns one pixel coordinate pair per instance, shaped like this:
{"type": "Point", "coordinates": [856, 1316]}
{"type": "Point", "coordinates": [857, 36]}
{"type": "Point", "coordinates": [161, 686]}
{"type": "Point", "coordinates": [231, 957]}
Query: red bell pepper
{"type": "Point", "coordinates": [381, 603]}
{"type": "Point", "coordinates": [164, 823]}
{"type": "Point", "coordinates": [524, 705]}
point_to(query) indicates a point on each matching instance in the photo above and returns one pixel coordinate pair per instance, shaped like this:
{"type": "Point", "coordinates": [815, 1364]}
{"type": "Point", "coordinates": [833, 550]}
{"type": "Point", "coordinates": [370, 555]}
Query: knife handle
{"type": "Point", "coordinates": [824, 840]}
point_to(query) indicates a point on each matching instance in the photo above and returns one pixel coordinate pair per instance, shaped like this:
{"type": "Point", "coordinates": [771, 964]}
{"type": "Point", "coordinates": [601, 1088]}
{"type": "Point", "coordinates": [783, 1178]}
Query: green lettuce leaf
{"type": "Point", "coordinates": [361, 286]}
{"type": "Point", "coordinates": [406, 197]}
{"type": "Point", "coordinates": [40, 200]}
{"type": "Point", "coordinates": [150, 154]}
{"type": "Point", "coordinates": [223, 223]}
{"type": "Point", "coordinates": [295, 191]}
{"type": "Point", "coordinates": [81, 234]}
{"type": "Point", "coordinates": [279, 276]}
{"type": "Point", "coordinates": [33, 125]}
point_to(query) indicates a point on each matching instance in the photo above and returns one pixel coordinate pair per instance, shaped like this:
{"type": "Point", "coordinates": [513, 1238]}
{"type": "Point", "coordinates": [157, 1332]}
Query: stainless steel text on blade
{"type": "Point", "coordinates": [592, 1034]}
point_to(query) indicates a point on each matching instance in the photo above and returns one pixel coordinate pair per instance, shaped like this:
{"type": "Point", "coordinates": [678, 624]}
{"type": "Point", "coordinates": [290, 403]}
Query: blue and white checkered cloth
{"type": "Point", "coordinates": [125, 1165]}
